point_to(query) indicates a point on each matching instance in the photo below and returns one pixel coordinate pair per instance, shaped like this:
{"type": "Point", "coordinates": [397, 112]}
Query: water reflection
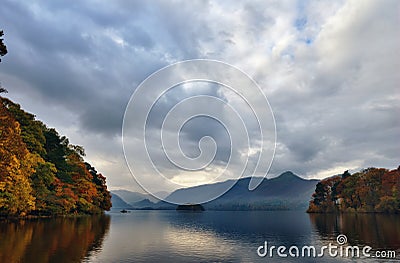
{"type": "Point", "coordinates": [380, 231]}
{"type": "Point", "coordinates": [211, 236]}
{"type": "Point", "coordinates": [169, 236]}
{"type": "Point", "coordinates": [257, 226]}
{"type": "Point", "coordinates": [52, 240]}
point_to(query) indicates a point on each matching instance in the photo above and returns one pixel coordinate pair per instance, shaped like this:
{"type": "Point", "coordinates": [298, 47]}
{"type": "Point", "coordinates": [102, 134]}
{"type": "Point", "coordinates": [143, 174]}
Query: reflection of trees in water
{"type": "Point", "coordinates": [376, 230]}
{"type": "Point", "coordinates": [52, 240]}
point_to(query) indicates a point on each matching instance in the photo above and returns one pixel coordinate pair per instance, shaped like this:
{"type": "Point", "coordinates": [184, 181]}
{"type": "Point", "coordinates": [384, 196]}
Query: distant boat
{"type": "Point", "coordinates": [190, 207]}
{"type": "Point", "coordinates": [124, 211]}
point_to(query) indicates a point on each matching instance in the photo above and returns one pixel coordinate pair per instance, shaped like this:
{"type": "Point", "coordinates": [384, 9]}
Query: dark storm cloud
{"type": "Point", "coordinates": [69, 58]}
{"type": "Point", "coordinates": [89, 56]}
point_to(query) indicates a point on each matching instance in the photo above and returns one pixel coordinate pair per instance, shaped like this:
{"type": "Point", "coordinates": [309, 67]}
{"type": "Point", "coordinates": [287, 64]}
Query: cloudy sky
{"type": "Point", "coordinates": [328, 68]}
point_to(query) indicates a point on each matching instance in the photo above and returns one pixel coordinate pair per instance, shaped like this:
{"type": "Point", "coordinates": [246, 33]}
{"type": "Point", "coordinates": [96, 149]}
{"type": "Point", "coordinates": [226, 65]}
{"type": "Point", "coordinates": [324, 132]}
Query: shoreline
{"type": "Point", "coordinates": [32, 217]}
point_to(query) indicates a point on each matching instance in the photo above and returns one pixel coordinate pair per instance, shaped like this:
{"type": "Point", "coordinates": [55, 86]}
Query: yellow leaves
{"type": "Point", "coordinates": [16, 165]}
{"type": "Point", "coordinates": [19, 199]}
{"type": "Point", "coordinates": [30, 162]}
{"type": "Point", "coordinates": [57, 183]}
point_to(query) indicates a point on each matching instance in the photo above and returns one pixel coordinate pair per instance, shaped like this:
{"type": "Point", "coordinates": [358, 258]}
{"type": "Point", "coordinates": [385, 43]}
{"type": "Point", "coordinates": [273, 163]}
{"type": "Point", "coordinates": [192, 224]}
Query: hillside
{"type": "Point", "coordinates": [41, 173]}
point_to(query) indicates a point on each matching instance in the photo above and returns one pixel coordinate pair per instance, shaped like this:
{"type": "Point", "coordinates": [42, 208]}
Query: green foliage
{"type": "Point", "coordinates": [31, 129]}
{"type": "Point", "coordinates": [370, 190]}
{"type": "Point", "coordinates": [41, 173]}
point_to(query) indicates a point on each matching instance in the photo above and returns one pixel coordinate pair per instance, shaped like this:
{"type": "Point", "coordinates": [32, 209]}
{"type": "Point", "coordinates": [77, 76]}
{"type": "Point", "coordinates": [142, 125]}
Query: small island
{"type": "Point", "coordinates": [190, 207]}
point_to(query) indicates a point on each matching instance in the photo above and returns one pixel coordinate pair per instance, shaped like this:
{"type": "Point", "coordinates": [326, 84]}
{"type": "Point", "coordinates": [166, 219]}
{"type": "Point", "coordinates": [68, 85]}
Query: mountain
{"type": "Point", "coordinates": [146, 203]}
{"type": "Point", "coordinates": [287, 191]}
{"type": "Point", "coordinates": [135, 200]}
{"type": "Point", "coordinates": [161, 194]}
{"type": "Point", "coordinates": [118, 202]}
{"type": "Point", "coordinates": [128, 196]}
{"type": "Point", "coordinates": [133, 197]}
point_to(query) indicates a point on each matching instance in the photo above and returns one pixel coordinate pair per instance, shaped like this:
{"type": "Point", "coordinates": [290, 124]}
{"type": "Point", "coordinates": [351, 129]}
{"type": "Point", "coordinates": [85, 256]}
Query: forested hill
{"type": "Point", "coordinates": [41, 173]}
{"type": "Point", "coordinates": [370, 190]}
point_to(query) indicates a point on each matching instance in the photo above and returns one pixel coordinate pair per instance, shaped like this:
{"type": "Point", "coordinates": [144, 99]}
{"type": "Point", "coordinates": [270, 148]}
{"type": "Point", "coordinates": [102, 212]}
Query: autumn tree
{"type": "Point", "coordinates": [390, 192]}
{"type": "Point", "coordinates": [41, 173]}
{"type": "Point", "coordinates": [370, 190]}
{"type": "Point", "coordinates": [103, 198]}
{"type": "Point", "coordinates": [16, 166]}
{"type": "Point", "coordinates": [325, 197]}
{"type": "Point", "coordinates": [32, 131]}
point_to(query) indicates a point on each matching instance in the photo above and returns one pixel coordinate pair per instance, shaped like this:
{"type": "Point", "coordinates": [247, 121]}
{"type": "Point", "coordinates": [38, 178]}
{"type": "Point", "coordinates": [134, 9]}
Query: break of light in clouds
{"type": "Point", "coordinates": [329, 69]}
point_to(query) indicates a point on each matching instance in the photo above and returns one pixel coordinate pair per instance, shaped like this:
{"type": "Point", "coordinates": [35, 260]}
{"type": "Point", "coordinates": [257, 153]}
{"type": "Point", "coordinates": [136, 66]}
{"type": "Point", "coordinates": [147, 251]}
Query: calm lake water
{"type": "Point", "coordinates": [210, 236]}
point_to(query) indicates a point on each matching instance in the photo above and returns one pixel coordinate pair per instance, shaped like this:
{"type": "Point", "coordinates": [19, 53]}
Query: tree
{"type": "Point", "coordinates": [41, 173]}
{"type": "Point", "coordinates": [42, 181]}
{"type": "Point", "coordinates": [325, 196]}
{"type": "Point", "coordinates": [346, 174]}
{"type": "Point", "coordinates": [3, 51]}
{"type": "Point", "coordinates": [370, 190]}
{"type": "Point", "coordinates": [3, 48]}
{"type": "Point", "coordinates": [56, 152]}
{"type": "Point", "coordinates": [31, 129]}
{"type": "Point", "coordinates": [16, 166]}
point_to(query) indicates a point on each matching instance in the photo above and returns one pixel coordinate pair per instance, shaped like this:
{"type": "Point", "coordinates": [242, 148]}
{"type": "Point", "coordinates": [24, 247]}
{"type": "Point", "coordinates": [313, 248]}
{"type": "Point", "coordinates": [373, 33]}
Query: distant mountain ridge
{"type": "Point", "coordinates": [285, 192]}
{"type": "Point", "coordinates": [118, 202]}
{"type": "Point", "coordinates": [129, 196]}
{"type": "Point", "coordinates": [134, 200]}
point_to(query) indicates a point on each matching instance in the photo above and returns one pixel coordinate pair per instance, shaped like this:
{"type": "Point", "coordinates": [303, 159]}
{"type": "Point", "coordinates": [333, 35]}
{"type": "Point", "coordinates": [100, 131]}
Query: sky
{"type": "Point", "coordinates": [329, 70]}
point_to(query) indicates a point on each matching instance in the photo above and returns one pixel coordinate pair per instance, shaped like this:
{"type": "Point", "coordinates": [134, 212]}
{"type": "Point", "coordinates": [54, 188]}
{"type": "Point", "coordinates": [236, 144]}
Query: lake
{"type": "Point", "coordinates": [209, 236]}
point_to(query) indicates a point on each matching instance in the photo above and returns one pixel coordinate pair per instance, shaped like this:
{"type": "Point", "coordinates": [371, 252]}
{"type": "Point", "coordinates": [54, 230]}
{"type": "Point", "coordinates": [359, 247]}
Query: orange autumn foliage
{"type": "Point", "coordinates": [370, 190]}
{"type": "Point", "coordinates": [41, 173]}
